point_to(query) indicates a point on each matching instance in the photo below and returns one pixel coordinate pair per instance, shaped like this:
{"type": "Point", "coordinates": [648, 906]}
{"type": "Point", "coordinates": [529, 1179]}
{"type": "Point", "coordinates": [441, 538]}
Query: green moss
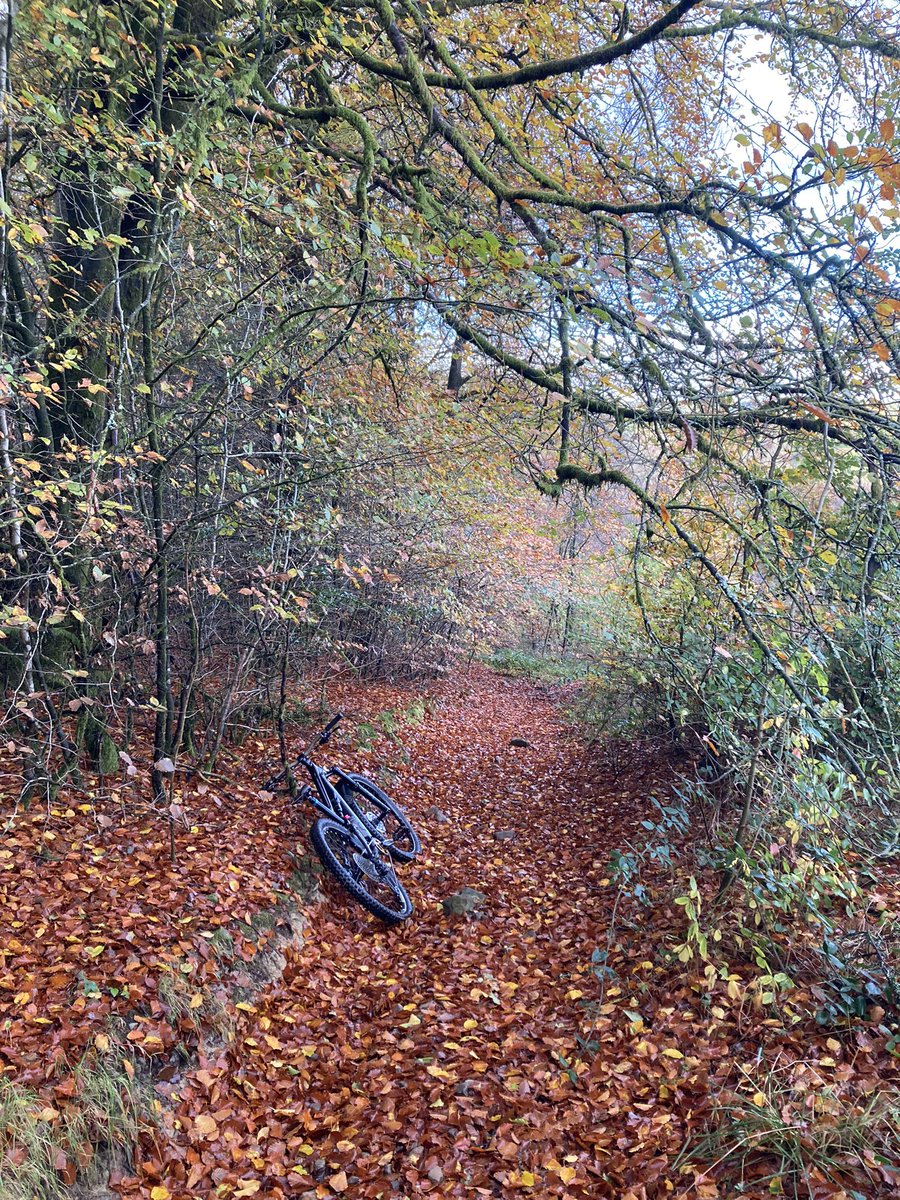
{"type": "Point", "coordinates": [108, 758]}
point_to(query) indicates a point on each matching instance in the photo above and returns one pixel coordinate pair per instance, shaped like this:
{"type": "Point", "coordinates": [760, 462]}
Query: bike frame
{"type": "Point", "coordinates": [347, 836]}
{"type": "Point", "coordinates": [325, 797]}
{"type": "Point", "coordinates": [327, 800]}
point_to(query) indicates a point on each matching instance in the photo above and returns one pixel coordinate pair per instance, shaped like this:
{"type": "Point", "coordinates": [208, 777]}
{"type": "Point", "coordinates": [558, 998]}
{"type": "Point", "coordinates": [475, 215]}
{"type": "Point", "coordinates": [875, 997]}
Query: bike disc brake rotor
{"type": "Point", "coordinates": [378, 871]}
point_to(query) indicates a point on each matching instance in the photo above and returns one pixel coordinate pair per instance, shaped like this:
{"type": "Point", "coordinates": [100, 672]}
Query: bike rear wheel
{"type": "Point", "coordinates": [387, 819]}
{"type": "Point", "coordinates": [369, 879]}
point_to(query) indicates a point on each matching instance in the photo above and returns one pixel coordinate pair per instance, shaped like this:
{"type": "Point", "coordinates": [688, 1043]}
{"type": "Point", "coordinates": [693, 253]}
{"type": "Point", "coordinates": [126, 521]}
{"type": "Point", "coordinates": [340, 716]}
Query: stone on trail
{"type": "Point", "coordinates": [468, 900]}
{"type": "Point", "coordinates": [437, 814]}
{"type": "Point", "coordinates": [504, 835]}
{"type": "Point", "coordinates": [520, 742]}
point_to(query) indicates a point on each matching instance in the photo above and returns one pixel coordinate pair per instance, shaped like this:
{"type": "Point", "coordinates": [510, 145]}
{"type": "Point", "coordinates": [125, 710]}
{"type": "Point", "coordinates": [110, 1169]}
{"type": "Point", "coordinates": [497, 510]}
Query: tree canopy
{"type": "Point", "coordinates": [273, 271]}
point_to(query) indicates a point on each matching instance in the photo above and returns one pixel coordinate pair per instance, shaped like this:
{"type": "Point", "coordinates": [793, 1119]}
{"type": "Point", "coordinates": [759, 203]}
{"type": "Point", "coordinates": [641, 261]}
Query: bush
{"type": "Point", "coordinates": [782, 793]}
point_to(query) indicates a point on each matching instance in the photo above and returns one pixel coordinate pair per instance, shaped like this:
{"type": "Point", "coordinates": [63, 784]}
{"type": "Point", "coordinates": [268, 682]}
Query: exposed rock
{"type": "Point", "coordinates": [287, 925]}
{"type": "Point", "coordinates": [437, 815]}
{"type": "Point", "coordinates": [96, 1191]}
{"type": "Point", "coordinates": [266, 967]}
{"type": "Point", "coordinates": [468, 900]}
{"type": "Point", "coordinates": [109, 1163]}
{"type": "Point", "coordinates": [435, 1174]}
{"type": "Point", "coordinates": [504, 835]}
{"type": "Point", "coordinates": [520, 742]}
{"type": "Point", "coordinates": [306, 878]}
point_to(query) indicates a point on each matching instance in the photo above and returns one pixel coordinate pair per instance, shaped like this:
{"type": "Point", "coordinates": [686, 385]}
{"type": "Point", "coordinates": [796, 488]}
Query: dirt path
{"type": "Point", "coordinates": [447, 1057]}
{"type": "Point", "coordinates": [442, 1057]}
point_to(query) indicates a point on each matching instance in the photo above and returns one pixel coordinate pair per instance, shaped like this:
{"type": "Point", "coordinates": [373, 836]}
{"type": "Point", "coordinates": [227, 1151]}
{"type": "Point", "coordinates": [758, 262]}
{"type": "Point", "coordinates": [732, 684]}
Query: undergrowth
{"type": "Point", "coordinates": [787, 1133]}
{"type": "Point", "coordinates": [540, 668]}
{"type": "Point", "coordinates": [196, 1007]}
{"type": "Point", "coordinates": [391, 722]}
{"type": "Point", "coordinates": [43, 1147]}
{"type": "Point", "coordinates": [768, 866]}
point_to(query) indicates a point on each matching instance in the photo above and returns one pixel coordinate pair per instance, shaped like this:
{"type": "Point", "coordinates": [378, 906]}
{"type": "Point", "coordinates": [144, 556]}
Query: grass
{"type": "Point", "coordinates": [41, 1146]}
{"type": "Point", "coordinates": [222, 944]}
{"type": "Point", "coordinates": [196, 1006]}
{"type": "Point", "coordinates": [525, 664]}
{"type": "Point", "coordinates": [789, 1135]}
{"type": "Point", "coordinates": [390, 723]}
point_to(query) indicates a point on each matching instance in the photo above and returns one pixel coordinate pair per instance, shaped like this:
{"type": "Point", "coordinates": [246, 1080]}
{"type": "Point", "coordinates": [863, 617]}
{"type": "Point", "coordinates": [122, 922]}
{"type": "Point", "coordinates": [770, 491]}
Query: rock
{"type": "Point", "coordinates": [306, 878]}
{"type": "Point", "coordinates": [111, 1163]}
{"type": "Point", "coordinates": [437, 815]}
{"type": "Point", "coordinates": [521, 742]}
{"type": "Point", "coordinates": [435, 1174]}
{"type": "Point", "coordinates": [504, 835]}
{"type": "Point", "coordinates": [468, 900]}
{"type": "Point", "coordinates": [464, 1087]}
{"type": "Point", "coordinates": [266, 966]}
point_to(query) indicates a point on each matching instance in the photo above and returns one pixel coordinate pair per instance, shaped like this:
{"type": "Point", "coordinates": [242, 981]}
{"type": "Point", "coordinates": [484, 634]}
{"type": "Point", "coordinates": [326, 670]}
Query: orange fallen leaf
{"type": "Point", "coordinates": [206, 1126]}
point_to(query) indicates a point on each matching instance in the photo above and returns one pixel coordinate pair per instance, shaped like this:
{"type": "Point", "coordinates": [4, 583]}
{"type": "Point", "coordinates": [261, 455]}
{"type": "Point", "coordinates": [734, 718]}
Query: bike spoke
{"type": "Point", "coordinates": [380, 881]}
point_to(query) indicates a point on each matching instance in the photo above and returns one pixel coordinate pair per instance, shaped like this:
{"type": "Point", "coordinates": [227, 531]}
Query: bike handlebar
{"type": "Point", "coordinates": [329, 729]}
{"type": "Point", "coordinates": [319, 740]}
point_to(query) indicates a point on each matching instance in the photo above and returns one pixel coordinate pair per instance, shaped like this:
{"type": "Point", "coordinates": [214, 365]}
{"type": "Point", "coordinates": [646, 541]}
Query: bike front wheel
{"type": "Point", "coordinates": [370, 879]}
{"type": "Point", "coordinates": [387, 819]}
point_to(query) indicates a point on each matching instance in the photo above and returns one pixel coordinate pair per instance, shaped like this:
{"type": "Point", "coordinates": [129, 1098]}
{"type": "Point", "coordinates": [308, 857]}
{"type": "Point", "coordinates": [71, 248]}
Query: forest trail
{"type": "Point", "coordinates": [342, 342]}
{"type": "Point", "coordinates": [442, 1056]}
{"type": "Point", "coordinates": [449, 1056]}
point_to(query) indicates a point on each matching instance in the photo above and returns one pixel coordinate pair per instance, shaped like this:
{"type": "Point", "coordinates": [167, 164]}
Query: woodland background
{"type": "Point", "coordinates": [370, 339]}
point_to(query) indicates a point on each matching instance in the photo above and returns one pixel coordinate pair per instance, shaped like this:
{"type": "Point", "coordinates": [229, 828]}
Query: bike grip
{"type": "Point", "coordinates": [332, 725]}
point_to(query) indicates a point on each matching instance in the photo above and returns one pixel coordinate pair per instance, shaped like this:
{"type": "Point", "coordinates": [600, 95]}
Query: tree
{"type": "Point", "coordinates": [209, 209]}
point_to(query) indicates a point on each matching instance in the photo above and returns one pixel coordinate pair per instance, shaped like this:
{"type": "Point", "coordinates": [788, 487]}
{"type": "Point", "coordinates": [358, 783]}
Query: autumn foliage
{"type": "Point", "coordinates": [550, 1045]}
{"type": "Point", "coordinates": [344, 349]}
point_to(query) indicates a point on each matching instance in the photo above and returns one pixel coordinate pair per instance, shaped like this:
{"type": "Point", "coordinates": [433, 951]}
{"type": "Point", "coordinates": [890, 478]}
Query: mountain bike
{"type": "Point", "coordinates": [360, 834]}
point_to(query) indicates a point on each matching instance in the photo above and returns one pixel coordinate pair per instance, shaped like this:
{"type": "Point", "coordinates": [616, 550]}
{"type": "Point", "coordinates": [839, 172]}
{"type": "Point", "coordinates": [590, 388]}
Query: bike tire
{"type": "Point", "coordinates": [404, 842]}
{"type": "Point", "coordinates": [327, 834]}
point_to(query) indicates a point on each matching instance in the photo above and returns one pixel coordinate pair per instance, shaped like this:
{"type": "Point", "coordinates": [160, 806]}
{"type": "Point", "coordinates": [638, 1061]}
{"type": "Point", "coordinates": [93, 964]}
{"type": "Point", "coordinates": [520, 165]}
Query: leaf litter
{"type": "Point", "coordinates": [481, 1054]}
